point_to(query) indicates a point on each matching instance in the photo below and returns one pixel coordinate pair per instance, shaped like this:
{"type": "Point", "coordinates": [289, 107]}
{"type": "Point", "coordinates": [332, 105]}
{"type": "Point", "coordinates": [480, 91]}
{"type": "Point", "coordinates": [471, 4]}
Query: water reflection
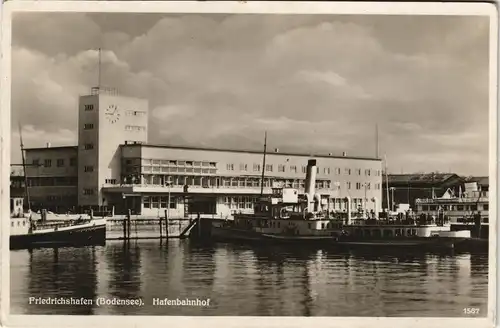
{"type": "Point", "coordinates": [242, 280]}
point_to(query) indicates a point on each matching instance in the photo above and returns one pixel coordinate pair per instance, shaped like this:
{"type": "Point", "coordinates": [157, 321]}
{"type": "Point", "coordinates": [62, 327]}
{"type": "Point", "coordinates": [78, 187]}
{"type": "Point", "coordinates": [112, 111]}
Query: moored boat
{"type": "Point", "coordinates": [284, 217]}
{"type": "Point", "coordinates": [27, 231]}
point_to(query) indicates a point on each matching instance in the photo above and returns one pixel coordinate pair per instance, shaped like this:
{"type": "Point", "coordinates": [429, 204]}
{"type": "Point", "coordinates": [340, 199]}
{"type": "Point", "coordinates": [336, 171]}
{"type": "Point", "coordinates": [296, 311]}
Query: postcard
{"type": "Point", "coordinates": [250, 164]}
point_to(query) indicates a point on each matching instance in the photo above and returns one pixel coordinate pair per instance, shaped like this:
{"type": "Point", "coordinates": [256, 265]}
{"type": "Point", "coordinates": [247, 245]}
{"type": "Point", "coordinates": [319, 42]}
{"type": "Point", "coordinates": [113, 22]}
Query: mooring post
{"type": "Point", "coordinates": [124, 222]}
{"type": "Point", "coordinates": [161, 228]}
{"type": "Point", "coordinates": [129, 214]}
{"type": "Point", "coordinates": [199, 225]}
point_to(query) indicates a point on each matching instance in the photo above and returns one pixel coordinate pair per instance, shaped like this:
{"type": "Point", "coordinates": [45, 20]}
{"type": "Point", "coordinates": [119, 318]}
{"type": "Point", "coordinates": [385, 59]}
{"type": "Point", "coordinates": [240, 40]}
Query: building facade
{"type": "Point", "coordinates": [409, 188]}
{"type": "Point", "coordinates": [52, 177]}
{"type": "Point", "coordinates": [114, 166]}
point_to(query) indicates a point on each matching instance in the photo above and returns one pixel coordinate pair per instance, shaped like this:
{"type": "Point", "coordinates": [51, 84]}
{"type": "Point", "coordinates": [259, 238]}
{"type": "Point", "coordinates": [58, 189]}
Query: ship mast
{"type": "Point", "coordinates": [26, 192]}
{"type": "Point", "coordinates": [386, 183]}
{"type": "Point", "coordinates": [263, 165]}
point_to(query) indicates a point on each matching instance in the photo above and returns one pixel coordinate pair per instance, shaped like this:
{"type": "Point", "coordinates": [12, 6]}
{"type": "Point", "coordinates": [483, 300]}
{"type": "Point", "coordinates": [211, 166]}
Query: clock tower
{"type": "Point", "coordinates": [105, 121]}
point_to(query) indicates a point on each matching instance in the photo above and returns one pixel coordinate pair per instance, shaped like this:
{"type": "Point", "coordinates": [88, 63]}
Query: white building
{"type": "Point", "coordinates": [113, 165]}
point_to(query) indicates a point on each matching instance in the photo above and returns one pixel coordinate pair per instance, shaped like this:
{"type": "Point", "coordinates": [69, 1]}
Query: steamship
{"type": "Point", "coordinates": [287, 217]}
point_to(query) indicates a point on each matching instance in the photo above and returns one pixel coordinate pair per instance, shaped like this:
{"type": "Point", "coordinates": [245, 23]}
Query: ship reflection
{"type": "Point", "coordinates": [62, 272]}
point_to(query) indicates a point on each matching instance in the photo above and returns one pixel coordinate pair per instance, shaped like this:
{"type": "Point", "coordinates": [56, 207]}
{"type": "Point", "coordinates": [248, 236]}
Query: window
{"type": "Point", "coordinates": [147, 202]}
{"type": "Point", "coordinates": [88, 146]}
{"type": "Point", "coordinates": [327, 170]}
{"type": "Point", "coordinates": [367, 172]}
{"type": "Point", "coordinates": [358, 171]}
{"type": "Point", "coordinates": [89, 107]}
{"type": "Point", "coordinates": [163, 201]}
{"type": "Point", "coordinates": [486, 207]}
{"type": "Point", "coordinates": [110, 181]}
{"type": "Point", "coordinates": [368, 185]}
{"type": "Point", "coordinates": [281, 168]}
{"type": "Point", "coordinates": [293, 168]}
{"type": "Point", "coordinates": [243, 167]}
{"type": "Point", "coordinates": [230, 167]}
{"type": "Point", "coordinates": [173, 203]}
{"type": "Point", "coordinates": [155, 202]}
{"type": "Point", "coordinates": [348, 185]}
{"type": "Point", "coordinates": [256, 167]}
{"type": "Point", "coordinates": [36, 162]}
{"type": "Point", "coordinates": [348, 171]}
{"type": "Point", "coordinates": [72, 161]}
{"type": "Point", "coordinates": [304, 169]}
{"type": "Point", "coordinates": [337, 170]}
{"type": "Point", "coordinates": [358, 185]}
{"type": "Point", "coordinates": [47, 163]}
{"type": "Point", "coordinates": [88, 168]}
{"type": "Point", "coordinates": [88, 191]}
{"type": "Point", "coordinates": [88, 126]}
{"type": "Point", "coordinates": [60, 162]}
{"type": "Point", "coordinates": [269, 167]}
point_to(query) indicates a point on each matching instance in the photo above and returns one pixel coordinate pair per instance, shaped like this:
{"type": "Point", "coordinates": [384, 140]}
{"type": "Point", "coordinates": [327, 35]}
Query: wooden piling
{"type": "Point", "coordinates": [161, 228]}
{"type": "Point", "coordinates": [125, 229]}
{"type": "Point", "coordinates": [129, 214]}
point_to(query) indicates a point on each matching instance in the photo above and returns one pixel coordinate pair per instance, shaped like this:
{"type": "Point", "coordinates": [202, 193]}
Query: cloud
{"type": "Point", "coordinates": [316, 83]}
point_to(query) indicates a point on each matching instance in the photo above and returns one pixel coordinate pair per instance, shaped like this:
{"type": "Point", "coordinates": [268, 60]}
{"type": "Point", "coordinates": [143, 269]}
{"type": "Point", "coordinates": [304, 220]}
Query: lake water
{"type": "Point", "coordinates": [248, 281]}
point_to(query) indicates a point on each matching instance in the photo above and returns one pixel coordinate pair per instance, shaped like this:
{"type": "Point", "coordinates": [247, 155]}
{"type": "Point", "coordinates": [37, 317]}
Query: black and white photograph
{"type": "Point", "coordinates": [203, 159]}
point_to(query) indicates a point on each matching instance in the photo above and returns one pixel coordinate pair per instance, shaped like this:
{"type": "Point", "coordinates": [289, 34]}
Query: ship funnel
{"type": "Point", "coordinates": [310, 189]}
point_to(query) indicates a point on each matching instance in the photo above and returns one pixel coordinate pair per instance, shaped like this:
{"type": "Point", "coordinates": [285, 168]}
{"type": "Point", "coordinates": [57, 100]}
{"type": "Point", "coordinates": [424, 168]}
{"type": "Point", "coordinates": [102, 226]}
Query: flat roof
{"type": "Point", "coordinates": [49, 148]}
{"type": "Point", "coordinates": [248, 151]}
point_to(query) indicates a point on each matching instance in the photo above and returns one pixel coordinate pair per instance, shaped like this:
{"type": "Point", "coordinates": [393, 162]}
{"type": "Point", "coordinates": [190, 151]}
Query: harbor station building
{"type": "Point", "coordinates": [114, 166]}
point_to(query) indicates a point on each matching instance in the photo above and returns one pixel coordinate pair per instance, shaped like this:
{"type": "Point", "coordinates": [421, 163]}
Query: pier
{"type": "Point", "coordinates": [134, 227]}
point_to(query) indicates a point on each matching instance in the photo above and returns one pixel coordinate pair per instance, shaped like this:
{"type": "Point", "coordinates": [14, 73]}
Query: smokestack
{"type": "Point", "coordinates": [310, 189]}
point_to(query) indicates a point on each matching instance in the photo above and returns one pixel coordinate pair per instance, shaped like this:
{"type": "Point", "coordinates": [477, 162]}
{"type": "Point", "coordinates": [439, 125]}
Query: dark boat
{"type": "Point", "coordinates": [32, 230]}
{"type": "Point", "coordinates": [26, 231]}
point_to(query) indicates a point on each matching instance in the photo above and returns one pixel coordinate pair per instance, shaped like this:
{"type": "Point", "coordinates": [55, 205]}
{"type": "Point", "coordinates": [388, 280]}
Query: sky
{"type": "Point", "coordinates": [316, 83]}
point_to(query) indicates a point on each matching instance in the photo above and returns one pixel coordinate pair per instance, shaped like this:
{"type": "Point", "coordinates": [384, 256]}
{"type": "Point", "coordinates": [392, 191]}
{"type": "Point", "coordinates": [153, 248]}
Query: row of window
{"type": "Point", "coordinates": [159, 202]}
{"type": "Point", "coordinates": [293, 169]}
{"type": "Point", "coordinates": [88, 126]}
{"type": "Point", "coordinates": [61, 162]}
{"type": "Point", "coordinates": [248, 182]}
{"type": "Point", "coordinates": [155, 169]}
{"type": "Point", "coordinates": [52, 181]}
{"type": "Point", "coordinates": [166, 162]}
{"type": "Point", "coordinates": [474, 207]}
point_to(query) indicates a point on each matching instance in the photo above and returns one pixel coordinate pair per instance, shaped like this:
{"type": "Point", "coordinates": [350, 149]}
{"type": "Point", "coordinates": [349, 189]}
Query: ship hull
{"type": "Point", "coordinates": [75, 236]}
{"type": "Point", "coordinates": [237, 235]}
{"type": "Point", "coordinates": [413, 242]}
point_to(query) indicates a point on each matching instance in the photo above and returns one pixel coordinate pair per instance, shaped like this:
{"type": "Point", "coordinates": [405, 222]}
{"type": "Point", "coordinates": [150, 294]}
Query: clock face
{"type": "Point", "coordinates": [112, 113]}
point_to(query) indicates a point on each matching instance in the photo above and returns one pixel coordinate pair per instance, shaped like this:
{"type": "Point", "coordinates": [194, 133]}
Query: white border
{"type": "Point", "coordinates": [484, 9]}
